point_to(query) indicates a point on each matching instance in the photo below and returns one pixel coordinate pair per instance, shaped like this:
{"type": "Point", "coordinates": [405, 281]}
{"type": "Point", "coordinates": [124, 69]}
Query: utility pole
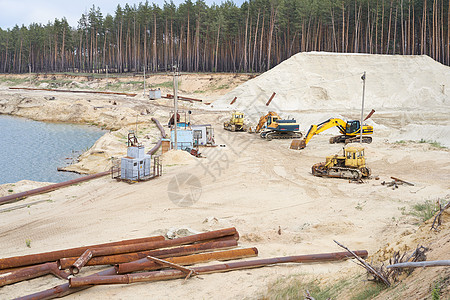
{"type": "Point", "coordinates": [362, 107]}
{"type": "Point", "coordinates": [144, 81]}
{"type": "Point", "coordinates": [175, 103]}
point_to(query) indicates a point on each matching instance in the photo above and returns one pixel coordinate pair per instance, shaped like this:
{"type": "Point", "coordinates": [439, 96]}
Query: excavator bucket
{"type": "Point", "coordinates": [297, 144]}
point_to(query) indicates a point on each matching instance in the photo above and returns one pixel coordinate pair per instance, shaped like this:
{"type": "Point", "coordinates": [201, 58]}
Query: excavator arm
{"type": "Point", "coordinates": [316, 129]}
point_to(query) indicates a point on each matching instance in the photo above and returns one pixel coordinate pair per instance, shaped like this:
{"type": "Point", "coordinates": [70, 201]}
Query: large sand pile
{"type": "Point", "coordinates": [318, 80]}
{"type": "Point", "coordinates": [312, 87]}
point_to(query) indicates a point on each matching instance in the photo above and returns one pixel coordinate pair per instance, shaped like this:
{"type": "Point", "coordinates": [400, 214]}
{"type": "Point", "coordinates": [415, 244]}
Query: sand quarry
{"type": "Point", "coordinates": [262, 188]}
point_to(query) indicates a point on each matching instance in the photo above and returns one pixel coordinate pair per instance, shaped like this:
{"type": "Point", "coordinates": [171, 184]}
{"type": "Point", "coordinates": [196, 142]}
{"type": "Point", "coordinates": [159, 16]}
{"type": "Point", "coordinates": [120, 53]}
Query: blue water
{"type": "Point", "coordinates": [34, 150]}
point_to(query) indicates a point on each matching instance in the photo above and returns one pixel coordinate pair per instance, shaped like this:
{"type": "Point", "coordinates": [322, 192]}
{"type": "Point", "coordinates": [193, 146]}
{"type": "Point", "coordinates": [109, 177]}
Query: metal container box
{"type": "Point", "coordinates": [154, 94]}
{"type": "Point", "coordinates": [135, 168]}
{"type": "Point", "coordinates": [136, 151]}
{"type": "Point", "coordinates": [184, 138]}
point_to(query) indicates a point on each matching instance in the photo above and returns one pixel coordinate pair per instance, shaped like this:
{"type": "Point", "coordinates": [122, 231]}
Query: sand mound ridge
{"type": "Point", "coordinates": [333, 80]}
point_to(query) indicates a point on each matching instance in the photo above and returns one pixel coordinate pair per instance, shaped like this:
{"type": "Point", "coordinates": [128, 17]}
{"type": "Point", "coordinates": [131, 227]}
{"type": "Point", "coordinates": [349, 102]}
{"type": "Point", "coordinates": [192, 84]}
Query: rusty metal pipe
{"type": "Point", "coordinates": [70, 91]}
{"type": "Point", "coordinates": [163, 132]}
{"type": "Point", "coordinates": [157, 244]}
{"type": "Point", "coordinates": [81, 262]}
{"type": "Point", "coordinates": [64, 289]}
{"type": "Point", "coordinates": [48, 188]}
{"type": "Point", "coordinates": [32, 272]}
{"type": "Point", "coordinates": [145, 264]}
{"type": "Point", "coordinates": [32, 259]}
{"type": "Point", "coordinates": [170, 96]}
{"type": "Point", "coordinates": [270, 99]}
{"type": "Point", "coordinates": [230, 242]}
{"type": "Point", "coordinates": [173, 274]}
{"type": "Point", "coordinates": [155, 148]}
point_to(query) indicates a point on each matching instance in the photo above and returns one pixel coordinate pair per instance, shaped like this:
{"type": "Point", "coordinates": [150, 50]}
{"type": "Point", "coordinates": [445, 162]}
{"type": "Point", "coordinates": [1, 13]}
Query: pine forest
{"type": "Point", "coordinates": [253, 37]}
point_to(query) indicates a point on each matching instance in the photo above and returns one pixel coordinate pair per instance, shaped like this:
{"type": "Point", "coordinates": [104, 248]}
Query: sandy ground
{"type": "Point", "coordinates": [257, 186]}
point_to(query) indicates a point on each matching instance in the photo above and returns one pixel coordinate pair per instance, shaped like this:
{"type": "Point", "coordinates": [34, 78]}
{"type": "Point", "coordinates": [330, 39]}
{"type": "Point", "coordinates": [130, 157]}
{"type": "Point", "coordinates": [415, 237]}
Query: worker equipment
{"type": "Point", "coordinates": [271, 126]}
{"type": "Point", "coordinates": [236, 123]}
{"type": "Point", "coordinates": [352, 165]}
{"type": "Point", "coordinates": [350, 132]}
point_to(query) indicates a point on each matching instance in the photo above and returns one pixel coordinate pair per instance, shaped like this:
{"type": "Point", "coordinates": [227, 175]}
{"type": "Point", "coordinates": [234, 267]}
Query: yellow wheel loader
{"type": "Point", "coordinates": [352, 165]}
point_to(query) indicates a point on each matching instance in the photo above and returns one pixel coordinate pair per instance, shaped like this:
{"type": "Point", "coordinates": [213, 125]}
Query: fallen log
{"type": "Point", "coordinates": [418, 264]}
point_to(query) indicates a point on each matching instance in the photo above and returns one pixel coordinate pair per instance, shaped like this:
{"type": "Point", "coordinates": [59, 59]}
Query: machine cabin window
{"type": "Point", "coordinates": [352, 126]}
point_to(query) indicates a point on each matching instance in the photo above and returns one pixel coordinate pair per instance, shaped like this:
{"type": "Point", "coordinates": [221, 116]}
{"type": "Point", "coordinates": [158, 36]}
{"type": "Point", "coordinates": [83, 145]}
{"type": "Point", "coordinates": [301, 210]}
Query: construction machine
{"type": "Point", "coordinates": [271, 126]}
{"type": "Point", "coordinates": [236, 123]}
{"type": "Point", "coordinates": [352, 165]}
{"type": "Point", "coordinates": [350, 132]}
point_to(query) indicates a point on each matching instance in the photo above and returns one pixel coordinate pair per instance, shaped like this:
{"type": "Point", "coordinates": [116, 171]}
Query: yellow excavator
{"type": "Point", "coordinates": [277, 128]}
{"type": "Point", "coordinates": [350, 132]}
{"type": "Point", "coordinates": [352, 165]}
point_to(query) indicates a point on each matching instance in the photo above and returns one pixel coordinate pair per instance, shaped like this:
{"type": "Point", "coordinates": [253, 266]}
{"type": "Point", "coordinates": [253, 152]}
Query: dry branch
{"type": "Point", "coordinates": [366, 265]}
{"type": "Point", "coordinates": [437, 218]}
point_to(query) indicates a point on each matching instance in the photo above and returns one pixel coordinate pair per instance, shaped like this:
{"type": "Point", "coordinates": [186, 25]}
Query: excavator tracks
{"type": "Point", "coordinates": [348, 140]}
{"type": "Point", "coordinates": [272, 135]}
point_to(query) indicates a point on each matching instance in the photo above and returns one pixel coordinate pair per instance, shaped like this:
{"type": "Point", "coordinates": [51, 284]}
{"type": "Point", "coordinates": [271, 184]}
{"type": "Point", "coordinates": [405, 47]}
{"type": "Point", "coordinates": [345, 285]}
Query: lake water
{"type": "Point", "coordinates": [34, 150]}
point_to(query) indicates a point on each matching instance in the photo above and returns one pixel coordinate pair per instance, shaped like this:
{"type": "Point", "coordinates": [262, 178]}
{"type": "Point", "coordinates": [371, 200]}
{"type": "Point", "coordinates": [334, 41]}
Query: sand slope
{"type": "Point", "coordinates": [318, 80]}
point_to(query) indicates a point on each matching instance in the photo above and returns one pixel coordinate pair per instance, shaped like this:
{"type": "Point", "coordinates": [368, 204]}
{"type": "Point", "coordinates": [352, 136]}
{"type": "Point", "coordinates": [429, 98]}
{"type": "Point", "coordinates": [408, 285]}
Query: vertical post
{"type": "Point", "coordinates": [29, 69]}
{"type": "Point", "coordinates": [106, 74]}
{"type": "Point", "coordinates": [362, 107]}
{"type": "Point", "coordinates": [137, 115]}
{"type": "Point", "coordinates": [144, 81]}
{"type": "Point", "coordinates": [175, 100]}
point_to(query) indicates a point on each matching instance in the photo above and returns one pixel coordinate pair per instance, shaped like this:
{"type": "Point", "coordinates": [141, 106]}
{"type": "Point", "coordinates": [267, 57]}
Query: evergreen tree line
{"type": "Point", "coordinates": [226, 38]}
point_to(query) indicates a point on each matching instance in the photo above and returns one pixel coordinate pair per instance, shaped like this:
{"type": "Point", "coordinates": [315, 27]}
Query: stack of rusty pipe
{"type": "Point", "coordinates": [159, 258]}
{"type": "Point", "coordinates": [19, 268]}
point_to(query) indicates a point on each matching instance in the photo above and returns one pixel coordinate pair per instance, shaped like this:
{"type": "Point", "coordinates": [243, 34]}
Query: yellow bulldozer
{"type": "Point", "coordinates": [352, 165]}
{"type": "Point", "coordinates": [236, 122]}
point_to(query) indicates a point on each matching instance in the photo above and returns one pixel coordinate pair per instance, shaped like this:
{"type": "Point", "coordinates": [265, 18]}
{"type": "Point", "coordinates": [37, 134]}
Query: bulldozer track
{"type": "Point", "coordinates": [336, 172]}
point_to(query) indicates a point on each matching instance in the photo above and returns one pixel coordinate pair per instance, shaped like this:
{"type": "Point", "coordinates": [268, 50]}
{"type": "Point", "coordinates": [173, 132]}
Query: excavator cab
{"type": "Point", "coordinates": [352, 127]}
{"type": "Point", "coordinates": [272, 119]}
